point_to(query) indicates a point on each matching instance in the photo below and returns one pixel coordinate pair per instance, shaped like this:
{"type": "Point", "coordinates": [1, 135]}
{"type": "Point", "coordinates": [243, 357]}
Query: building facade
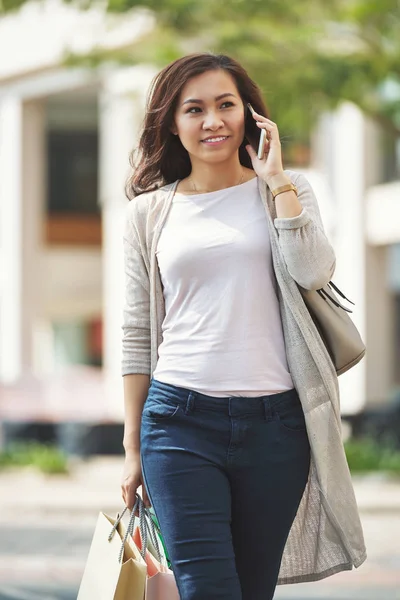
{"type": "Point", "coordinates": [65, 139]}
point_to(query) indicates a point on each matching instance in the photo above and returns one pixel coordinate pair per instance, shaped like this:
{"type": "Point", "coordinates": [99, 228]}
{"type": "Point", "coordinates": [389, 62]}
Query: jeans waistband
{"type": "Point", "coordinates": [229, 405]}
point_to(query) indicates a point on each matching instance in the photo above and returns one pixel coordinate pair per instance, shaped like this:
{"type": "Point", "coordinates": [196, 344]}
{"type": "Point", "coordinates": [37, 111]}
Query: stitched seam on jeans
{"type": "Point", "coordinates": [228, 454]}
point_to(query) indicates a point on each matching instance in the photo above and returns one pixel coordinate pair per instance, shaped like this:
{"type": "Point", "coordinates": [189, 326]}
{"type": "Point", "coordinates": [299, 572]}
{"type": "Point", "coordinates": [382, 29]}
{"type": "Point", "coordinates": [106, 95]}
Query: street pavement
{"type": "Point", "coordinates": [47, 522]}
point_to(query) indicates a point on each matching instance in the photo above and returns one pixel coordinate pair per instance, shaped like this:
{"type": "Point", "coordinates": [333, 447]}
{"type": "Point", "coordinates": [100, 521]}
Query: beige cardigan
{"type": "Point", "coordinates": [326, 536]}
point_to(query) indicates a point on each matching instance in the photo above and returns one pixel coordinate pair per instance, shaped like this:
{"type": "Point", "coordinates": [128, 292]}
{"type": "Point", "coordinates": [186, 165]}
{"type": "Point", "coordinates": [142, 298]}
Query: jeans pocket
{"type": "Point", "coordinates": [290, 414]}
{"type": "Point", "coordinates": [158, 410]}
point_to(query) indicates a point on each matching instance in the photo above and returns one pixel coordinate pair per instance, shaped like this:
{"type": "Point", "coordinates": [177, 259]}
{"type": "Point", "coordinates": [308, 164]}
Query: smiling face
{"type": "Point", "coordinates": [209, 118]}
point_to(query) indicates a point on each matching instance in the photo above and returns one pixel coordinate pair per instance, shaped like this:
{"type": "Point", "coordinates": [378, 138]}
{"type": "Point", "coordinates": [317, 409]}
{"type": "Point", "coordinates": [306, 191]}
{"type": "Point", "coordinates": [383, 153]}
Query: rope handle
{"type": "Point", "coordinates": [146, 527]}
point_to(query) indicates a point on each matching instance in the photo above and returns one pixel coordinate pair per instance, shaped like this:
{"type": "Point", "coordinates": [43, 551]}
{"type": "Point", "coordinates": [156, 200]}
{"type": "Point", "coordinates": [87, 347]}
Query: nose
{"type": "Point", "coordinates": [212, 121]}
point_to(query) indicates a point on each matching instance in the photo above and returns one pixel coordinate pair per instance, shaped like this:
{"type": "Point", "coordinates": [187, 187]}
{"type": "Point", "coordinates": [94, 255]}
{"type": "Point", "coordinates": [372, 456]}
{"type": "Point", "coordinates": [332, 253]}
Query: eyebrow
{"type": "Point", "coordinates": [197, 101]}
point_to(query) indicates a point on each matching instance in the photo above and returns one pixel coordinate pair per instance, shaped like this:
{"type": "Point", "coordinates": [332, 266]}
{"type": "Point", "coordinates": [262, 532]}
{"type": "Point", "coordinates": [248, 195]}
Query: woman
{"type": "Point", "coordinates": [231, 400]}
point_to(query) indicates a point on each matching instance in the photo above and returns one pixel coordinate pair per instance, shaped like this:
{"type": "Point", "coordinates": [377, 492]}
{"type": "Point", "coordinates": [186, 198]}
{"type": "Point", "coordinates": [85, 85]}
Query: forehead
{"type": "Point", "coordinates": [208, 85]}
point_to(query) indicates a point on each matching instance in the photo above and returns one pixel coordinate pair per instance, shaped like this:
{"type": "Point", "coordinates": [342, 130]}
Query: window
{"type": "Point", "coordinates": [390, 156]}
{"type": "Point", "coordinates": [73, 213]}
{"type": "Point", "coordinates": [72, 168]}
{"type": "Point", "coordinates": [78, 342]}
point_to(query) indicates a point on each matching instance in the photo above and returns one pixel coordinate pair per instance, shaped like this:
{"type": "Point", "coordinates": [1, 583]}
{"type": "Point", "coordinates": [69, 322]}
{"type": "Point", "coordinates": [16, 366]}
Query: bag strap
{"type": "Point", "coordinates": [325, 296]}
{"type": "Point", "coordinates": [335, 287]}
{"type": "Point", "coordinates": [148, 531]}
{"type": "Point", "coordinates": [146, 527]}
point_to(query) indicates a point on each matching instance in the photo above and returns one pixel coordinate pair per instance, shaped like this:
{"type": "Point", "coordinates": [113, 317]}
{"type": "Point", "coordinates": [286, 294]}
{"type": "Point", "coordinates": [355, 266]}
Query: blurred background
{"type": "Point", "coordinates": [73, 83]}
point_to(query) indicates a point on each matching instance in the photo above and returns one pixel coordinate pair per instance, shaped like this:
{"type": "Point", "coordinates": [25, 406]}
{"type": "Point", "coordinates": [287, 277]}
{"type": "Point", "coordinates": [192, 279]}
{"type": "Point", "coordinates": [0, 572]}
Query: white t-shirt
{"type": "Point", "coordinates": [222, 333]}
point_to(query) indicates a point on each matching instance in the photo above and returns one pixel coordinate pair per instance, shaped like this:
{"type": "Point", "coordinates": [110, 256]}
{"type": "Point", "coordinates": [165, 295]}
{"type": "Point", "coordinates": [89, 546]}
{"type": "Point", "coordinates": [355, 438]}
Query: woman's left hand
{"type": "Point", "coordinates": [271, 164]}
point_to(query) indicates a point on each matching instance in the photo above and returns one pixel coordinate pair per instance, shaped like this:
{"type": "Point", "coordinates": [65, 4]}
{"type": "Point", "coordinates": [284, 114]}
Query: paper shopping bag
{"type": "Point", "coordinates": [160, 537]}
{"type": "Point", "coordinates": [113, 571]}
{"type": "Point", "coordinates": [160, 582]}
{"type": "Point", "coordinates": [158, 552]}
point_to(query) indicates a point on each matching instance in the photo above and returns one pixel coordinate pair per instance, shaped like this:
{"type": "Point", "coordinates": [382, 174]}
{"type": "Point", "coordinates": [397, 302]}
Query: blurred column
{"type": "Point", "coordinates": [382, 230]}
{"type": "Point", "coordinates": [381, 327]}
{"type": "Point", "coordinates": [10, 238]}
{"type": "Point", "coordinates": [122, 100]}
{"type": "Point", "coordinates": [21, 194]}
{"type": "Point", "coordinates": [349, 181]}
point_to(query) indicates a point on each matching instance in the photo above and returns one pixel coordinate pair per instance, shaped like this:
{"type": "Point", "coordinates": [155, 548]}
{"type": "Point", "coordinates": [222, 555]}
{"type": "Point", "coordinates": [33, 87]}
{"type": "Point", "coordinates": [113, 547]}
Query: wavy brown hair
{"type": "Point", "coordinates": [160, 157]}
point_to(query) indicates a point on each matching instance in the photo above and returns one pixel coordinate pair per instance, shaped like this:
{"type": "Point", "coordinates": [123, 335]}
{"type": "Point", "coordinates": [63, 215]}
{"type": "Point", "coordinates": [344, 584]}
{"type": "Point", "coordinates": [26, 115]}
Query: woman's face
{"type": "Point", "coordinates": [209, 117]}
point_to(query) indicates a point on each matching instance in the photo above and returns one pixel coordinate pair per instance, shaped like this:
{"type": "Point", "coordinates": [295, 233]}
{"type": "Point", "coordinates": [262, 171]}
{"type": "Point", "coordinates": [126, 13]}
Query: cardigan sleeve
{"type": "Point", "coordinates": [309, 256]}
{"type": "Point", "coordinates": [136, 340]}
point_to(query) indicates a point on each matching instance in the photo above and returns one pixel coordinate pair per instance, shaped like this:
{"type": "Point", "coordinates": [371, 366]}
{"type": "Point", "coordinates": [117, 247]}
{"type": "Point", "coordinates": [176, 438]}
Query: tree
{"type": "Point", "coordinates": [307, 56]}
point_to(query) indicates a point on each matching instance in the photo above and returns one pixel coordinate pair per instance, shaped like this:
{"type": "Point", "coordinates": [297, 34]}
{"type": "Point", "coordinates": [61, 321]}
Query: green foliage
{"type": "Point", "coordinates": [307, 56]}
{"type": "Point", "coordinates": [367, 455]}
{"type": "Point", "coordinates": [10, 5]}
{"type": "Point", "coordinates": [48, 459]}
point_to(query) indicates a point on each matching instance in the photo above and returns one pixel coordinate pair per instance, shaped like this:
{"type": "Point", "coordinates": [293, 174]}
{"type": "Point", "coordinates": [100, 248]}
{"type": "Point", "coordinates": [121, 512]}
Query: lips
{"type": "Point", "coordinates": [215, 139]}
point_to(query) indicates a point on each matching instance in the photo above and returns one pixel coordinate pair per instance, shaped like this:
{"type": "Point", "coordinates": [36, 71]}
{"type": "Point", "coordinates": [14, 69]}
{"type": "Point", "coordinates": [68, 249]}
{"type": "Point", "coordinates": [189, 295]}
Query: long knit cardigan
{"type": "Point", "coordinates": [326, 536]}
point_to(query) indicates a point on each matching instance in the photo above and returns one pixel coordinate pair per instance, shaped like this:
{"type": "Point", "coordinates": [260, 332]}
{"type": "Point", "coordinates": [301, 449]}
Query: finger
{"type": "Point", "coordinates": [268, 136]}
{"type": "Point", "coordinates": [257, 117]}
{"type": "Point", "coordinates": [268, 126]}
{"type": "Point", "coordinates": [146, 498]}
{"type": "Point", "coordinates": [130, 497]}
{"type": "Point", "coordinates": [272, 131]}
{"type": "Point", "coordinates": [144, 495]}
{"type": "Point", "coordinates": [252, 152]}
{"type": "Point", "coordinates": [262, 119]}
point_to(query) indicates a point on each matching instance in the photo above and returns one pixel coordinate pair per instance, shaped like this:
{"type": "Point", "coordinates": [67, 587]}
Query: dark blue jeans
{"type": "Point", "coordinates": [225, 477]}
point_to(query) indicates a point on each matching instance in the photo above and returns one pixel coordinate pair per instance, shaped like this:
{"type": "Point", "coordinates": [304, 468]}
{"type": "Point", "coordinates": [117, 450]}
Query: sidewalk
{"type": "Point", "coordinates": [47, 523]}
{"type": "Point", "coordinates": [94, 485]}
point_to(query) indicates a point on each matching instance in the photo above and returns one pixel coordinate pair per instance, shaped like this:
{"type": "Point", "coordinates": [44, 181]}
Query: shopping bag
{"type": "Point", "coordinates": [160, 582]}
{"type": "Point", "coordinates": [161, 545]}
{"type": "Point", "coordinates": [160, 537]}
{"type": "Point", "coordinates": [150, 546]}
{"type": "Point", "coordinates": [115, 569]}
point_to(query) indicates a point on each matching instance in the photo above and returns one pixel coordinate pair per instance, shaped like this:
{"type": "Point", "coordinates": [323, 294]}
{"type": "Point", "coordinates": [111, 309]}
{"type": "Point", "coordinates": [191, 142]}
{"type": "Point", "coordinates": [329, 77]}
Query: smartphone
{"type": "Point", "coordinates": [263, 136]}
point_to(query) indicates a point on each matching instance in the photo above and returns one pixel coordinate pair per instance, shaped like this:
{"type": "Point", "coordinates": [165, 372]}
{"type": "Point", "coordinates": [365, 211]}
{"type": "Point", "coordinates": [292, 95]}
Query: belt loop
{"type": "Point", "coordinates": [190, 403]}
{"type": "Point", "coordinates": [267, 408]}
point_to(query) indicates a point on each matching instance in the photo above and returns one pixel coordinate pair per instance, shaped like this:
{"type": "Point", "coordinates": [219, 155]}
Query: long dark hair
{"type": "Point", "coordinates": [160, 157]}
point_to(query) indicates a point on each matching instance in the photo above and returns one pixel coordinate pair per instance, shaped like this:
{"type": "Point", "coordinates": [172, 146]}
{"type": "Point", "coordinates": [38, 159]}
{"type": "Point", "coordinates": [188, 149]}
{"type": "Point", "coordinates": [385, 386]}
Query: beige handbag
{"type": "Point", "coordinates": [335, 327]}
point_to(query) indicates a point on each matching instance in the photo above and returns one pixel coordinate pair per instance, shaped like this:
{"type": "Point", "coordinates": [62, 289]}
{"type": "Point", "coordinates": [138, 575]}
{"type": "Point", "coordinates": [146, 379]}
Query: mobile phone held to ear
{"type": "Point", "coordinates": [263, 136]}
{"type": "Point", "coordinates": [261, 144]}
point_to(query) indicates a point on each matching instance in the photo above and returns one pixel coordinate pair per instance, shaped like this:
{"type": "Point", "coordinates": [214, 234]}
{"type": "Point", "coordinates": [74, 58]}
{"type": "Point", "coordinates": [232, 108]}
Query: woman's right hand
{"type": "Point", "coordinates": [132, 478]}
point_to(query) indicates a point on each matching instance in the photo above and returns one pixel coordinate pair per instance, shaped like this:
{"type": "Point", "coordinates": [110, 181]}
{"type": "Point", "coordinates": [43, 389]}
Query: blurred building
{"type": "Point", "coordinates": [65, 138]}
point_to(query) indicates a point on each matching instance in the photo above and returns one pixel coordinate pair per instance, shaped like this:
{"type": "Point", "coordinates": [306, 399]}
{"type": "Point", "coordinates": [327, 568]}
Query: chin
{"type": "Point", "coordinates": [217, 154]}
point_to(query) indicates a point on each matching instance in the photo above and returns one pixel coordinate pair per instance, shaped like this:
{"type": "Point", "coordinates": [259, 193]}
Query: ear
{"type": "Point", "coordinates": [173, 129]}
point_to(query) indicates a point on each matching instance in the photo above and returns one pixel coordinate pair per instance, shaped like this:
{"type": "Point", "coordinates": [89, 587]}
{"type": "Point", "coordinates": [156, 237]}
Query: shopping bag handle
{"type": "Point", "coordinates": [146, 527]}
{"type": "Point", "coordinates": [147, 530]}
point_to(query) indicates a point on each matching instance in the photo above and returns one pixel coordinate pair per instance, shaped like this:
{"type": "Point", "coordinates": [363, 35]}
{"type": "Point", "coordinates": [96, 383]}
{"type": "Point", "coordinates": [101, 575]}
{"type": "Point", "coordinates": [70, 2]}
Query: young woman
{"type": "Point", "coordinates": [232, 406]}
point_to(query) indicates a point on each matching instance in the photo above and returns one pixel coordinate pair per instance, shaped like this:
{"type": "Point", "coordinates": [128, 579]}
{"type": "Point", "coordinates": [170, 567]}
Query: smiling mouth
{"type": "Point", "coordinates": [215, 140]}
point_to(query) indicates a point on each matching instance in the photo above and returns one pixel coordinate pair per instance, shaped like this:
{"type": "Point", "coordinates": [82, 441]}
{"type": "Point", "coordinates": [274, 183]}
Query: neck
{"type": "Point", "coordinates": [210, 178]}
